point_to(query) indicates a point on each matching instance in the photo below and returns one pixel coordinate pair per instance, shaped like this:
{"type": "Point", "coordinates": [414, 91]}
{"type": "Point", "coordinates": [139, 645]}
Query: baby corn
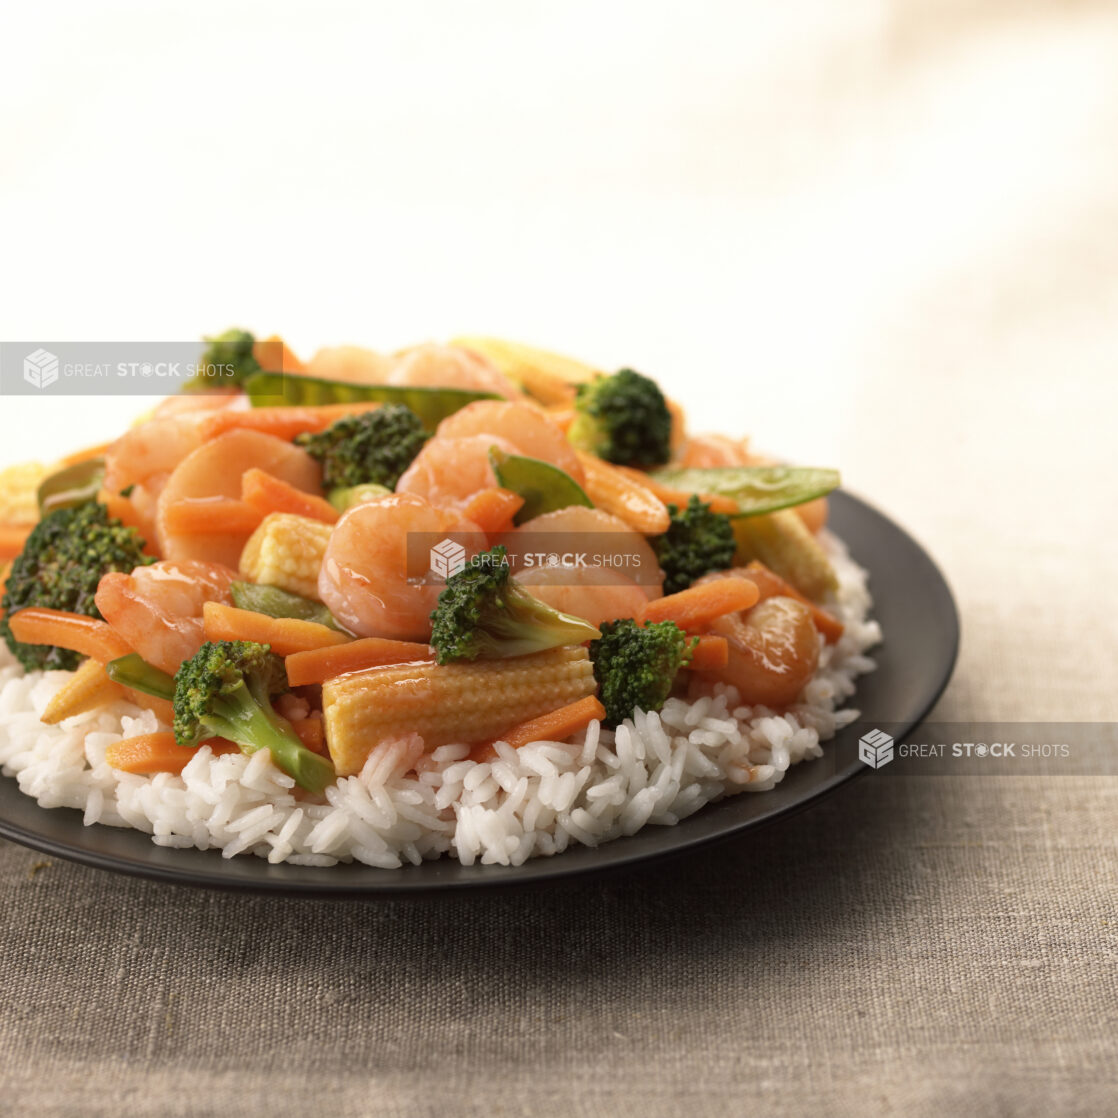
{"type": "Point", "coordinates": [286, 551]}
{"type": "Point", "coordinates": [464, 702]}
{"type": "Point", "coordinates": [86, 689]}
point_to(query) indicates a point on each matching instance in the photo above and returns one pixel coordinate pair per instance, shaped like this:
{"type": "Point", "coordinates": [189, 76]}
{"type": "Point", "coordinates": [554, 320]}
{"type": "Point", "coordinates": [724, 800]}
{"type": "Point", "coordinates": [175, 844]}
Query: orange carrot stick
{"type": "Point", "coordinates": [284, 423]}
{"type": "Point", "coordinates": [320, 664]}
{"type": "Point", "coordinates": [12, 539]}
{"type": "Point", "coordinates": [696, 607]}
{"type": "Point", "coordinates": [274, 355]}
{"type": "Point", "coordinates": [553, 726]}
{"type": "Point", "coordinates": [267, 494]}
{"type": "Point", "coordinates": [710, 653]}
{"type": "Point", "coordinates": [285, 635]}
{"type": "Point", "coordinates": [678, 497]}
{"type": "Point", "coordinates": [84, 455]}
{"type": "Point", "coordinates": [626, 494]}
{"type": "Point", "coordinates": [208, 516]}
{"type": "Point", "coordinates": [771, 585]}
{"type": "Point", "coordinates": [85, 635]}
{"type": "Point", "coordinates": [492, 510]}
{"type": "Point", "coordinates": [158, 753]}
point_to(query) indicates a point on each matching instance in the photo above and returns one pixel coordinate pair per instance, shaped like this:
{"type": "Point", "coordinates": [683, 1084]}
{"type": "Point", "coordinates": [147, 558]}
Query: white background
{"type": "Point", "coordinates": [878, 235]}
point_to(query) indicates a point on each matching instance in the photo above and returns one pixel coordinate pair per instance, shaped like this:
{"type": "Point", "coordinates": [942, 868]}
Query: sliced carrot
{"type": "Point", "coordinates": [285, 635]}
{"type": "Point", "coordinates": [85, 635]}
{"type": "Point", "coordinates": [268, 494]}
{"type": "Point", "coordinates": [625, 493]}
{"type": "Point", "coordinates": [84, 455]}
{"type": "Point", "coordinates": [492, 509]}
{"type": "Point", "coordinates": [12, 539]}
{"type": "Point", "coordinates": [553, 726]}
{"type": "Point", "coordinates": [710, 653]}
{"type": "Point", "coordinates": [310, 731]}
{"type": "Point", "coordinates": [274, 355]}
{"type": "Point", "coordinates": [696, 607]}
{"type": "Point", "coordinates": [158, 753]}
{"type": "Point", "coordinates": [211, 516]}
{"type": "Point", "coordinates": [679, 497]}
{"type": "Point", "coordinates": [771, 585]}
{"type": "Point", "coordinates": [321, 664]}
{"type": "Point", "coordinates": [284, 423]}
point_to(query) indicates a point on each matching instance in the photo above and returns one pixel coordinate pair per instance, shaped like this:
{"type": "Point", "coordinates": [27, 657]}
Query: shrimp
{"type": "Point", "coordinates": [595, 595]}
{"type": "Point", "coordinates": [445, 366]}
{"type": "Point", "coordinates": [774, 648]}
{"type": "Point", "coordinates": [716, 450]}
{"type": "Point", "coordinates": [214, 469]}
{"type": "Point", "coordinates": [158, 609]}
{"type": "Point", "coordinates": [151, 450]}
{"type": "Point", "coordinates": [350, 363]}
{"type": "Point", "coordinates": [447, 472]}
{"type": "Point", "coordinates": [528, 429]}
{"type": "Point", "coordinates": [366, 579]}
{"type": "Point", "coordinates": [608, 546]}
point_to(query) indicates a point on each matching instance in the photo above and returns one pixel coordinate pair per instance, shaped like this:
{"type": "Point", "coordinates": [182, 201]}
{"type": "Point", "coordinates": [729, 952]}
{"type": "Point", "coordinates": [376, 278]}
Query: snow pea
{"type": "Point", "coordinates": [757, 489]}
{"type": "Point", "coordinates": [543, 486]}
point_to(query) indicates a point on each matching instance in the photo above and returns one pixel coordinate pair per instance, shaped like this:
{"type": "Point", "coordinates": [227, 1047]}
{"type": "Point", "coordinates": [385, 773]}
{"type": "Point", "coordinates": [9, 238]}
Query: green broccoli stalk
{"type": "Point", "coordinates": [227, 362]}
{"type": "Point", "coordinates": [375, 446]}
{"type": "Point", "coordinates": [225, 690]}
{"type": "Point", "coordinates": [635, 665]}
{"type": "Point", "coordinates": [59, 568]}
{"type": "Point", "coordinates": [624, 419]}
{"type": "Point", "coordinates": [485, 613]}
{"type": "Point", "coordinates": [697, 541]}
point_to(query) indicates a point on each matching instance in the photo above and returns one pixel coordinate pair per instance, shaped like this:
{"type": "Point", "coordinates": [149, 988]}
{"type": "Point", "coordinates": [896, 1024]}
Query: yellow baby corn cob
{"type": "Point", "coordinates": [19, 486]}
{"type": "Point", "coordinates": [465, 702]}
{"type": "Point", "coordinates": [549, 377]}
{"type": "Point", "coordinates": [286, 551]}
{"type": "Point", "coordinates": [86, 689]}
{"type": "Point", "coordinates": [782, 542]}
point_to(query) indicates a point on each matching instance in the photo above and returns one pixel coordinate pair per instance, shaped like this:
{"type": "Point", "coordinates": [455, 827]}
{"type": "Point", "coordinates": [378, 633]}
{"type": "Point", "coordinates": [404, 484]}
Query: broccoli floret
{"type": "Point", "coordinates": [231, 350]}
{"type": "Point", "coordinates": [376, 446]}
{"type": "Point", "coordinates": [484, 612]}
{"type": "Point", "coordinates": [624, 419]}
{"type": "Point", "coordinates": [60, 566]}
{"type": "Point", "coordinates": [225, 690]}
{"type": "Point", "coordinates": [636, 665]}
{"type": "Point", "coordinates": [697, 541]}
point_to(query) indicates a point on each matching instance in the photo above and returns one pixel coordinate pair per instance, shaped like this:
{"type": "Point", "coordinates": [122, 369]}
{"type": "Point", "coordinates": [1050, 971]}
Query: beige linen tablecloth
{"type": "Point", "coordinates": [919, 946]}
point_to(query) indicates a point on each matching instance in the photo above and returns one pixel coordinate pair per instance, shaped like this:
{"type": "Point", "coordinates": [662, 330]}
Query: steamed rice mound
{"type": "Point", "coordinates": [407, 806]}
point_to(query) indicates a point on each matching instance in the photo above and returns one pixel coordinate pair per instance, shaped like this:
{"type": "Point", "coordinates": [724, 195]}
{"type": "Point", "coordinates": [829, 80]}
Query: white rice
{"type": "Point", "coordinates": [406, 805]}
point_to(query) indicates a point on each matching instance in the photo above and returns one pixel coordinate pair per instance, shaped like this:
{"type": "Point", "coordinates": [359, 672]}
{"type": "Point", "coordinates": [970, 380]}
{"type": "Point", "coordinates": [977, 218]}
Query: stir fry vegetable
{"type": "Point", "coordinates": [755, 489]}
{"type": "Point", "coordinates": [59, 568]}
{"type": "Point", "coordinates": [543, 486]}
{"type": "Point", "coordinates": [698, 540]}
{"type": "Point", "coordinates": [623, 418]}
{"type": "Point", "coordinates": [373, 448]}
{"type": "Point", "coordinates": [226, 691]}
{"type": "Point", "coordinates": [484, 613]}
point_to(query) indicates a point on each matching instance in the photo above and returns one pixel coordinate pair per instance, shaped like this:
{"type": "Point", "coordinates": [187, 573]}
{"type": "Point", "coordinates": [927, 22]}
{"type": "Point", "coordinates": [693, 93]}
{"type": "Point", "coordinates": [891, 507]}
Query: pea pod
{"type": "Point", "coordinates": [71, 486]}
{"type": "Point", "coordinates": [274, 602]}
{"type": "Point", "coordinates": [543, 486]}
{"type": "Point", "coordinates": [757, 489]}
{"type": "Point", "coordinates": [135, 672]}
{"type": "Point", "coordinates": [432, 405]}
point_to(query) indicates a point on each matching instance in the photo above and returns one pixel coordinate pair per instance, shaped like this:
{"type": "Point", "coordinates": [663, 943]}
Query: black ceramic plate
{"type": "Point", "coordinates": [921, 626]}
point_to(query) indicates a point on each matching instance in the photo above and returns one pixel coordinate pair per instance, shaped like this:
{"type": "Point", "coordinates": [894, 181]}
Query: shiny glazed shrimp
{"type": "Point", "coordinates": [365, 580]}
{"type": "Point", "coordinates": [151, 450]}
{"type": "Point", "coordinates": [774, 648]}
{"type": "Point", "coordinates": [447, 366]}
{"type": "Point", "coordinates": [611, 547]}
{"type": "Point", "coordinates": [594, 595]}
{"type": "Point", "coordinates": [447, 472]}
{"type": "Point", "coordinates": [528, 429]}
{"type": "Point", "coordinates": [158, 609]}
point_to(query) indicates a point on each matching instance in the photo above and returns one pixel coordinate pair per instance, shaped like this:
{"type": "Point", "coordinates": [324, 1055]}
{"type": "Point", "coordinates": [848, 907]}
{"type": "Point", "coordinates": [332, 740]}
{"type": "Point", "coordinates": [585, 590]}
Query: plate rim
{"type": "Point", "coordinates": [551, 870]}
